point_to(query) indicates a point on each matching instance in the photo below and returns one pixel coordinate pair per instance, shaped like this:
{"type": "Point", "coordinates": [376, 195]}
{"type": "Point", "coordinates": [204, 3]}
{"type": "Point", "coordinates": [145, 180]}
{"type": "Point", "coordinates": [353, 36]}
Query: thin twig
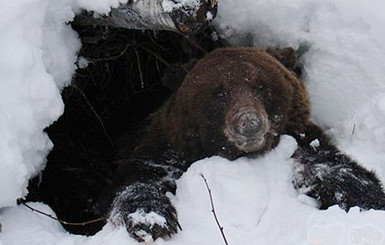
{"type": "Point", "coordinates": [62, 221]}
{"type": "Point", "coordinates": [112, 57]}
{"type": "Point", "coordinates": [194, 43]}
{"type": "Point", "coordinates": [213, 209]}
{"type": "Point", "coordinates": [155, 55]}
{"type": "Point", "coordinates": [139, 68]}
{"type": "Point", "coordinates": [95, 113]}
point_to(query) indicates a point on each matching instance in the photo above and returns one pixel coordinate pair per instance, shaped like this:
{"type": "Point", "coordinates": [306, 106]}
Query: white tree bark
{"type": "Point", "coordinates": [185, 16]}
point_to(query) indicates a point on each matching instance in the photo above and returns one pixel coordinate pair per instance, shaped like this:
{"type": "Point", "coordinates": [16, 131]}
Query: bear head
{"type": "Point", "coordinates": [236, 102]}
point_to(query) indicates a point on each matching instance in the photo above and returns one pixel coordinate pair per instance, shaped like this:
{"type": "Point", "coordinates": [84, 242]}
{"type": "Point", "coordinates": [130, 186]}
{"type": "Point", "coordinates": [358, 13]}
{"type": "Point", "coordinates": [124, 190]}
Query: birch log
{"type": "Point", "coordinates": [185, 16]}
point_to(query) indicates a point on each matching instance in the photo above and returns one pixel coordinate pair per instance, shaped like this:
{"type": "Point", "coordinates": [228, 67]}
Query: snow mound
{"type": "Point", "coordinates": [254, 200]}
{"type": "Point", "coordinates": [38, 55]}
{"type": "Point", "coordinates": [346, 46]}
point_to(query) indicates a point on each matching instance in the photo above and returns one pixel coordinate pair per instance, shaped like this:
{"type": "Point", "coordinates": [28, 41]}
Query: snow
{"type": "Point", "coordinates": [30, 83]}
{"type": "Point", "coordinates": [98, 6]}
{"type": "Point", "coordinates": [82, 62]}
{"type": "Point", "coordinates": [266, 211]}
{"type": "Point", "coordinates": [343, 46]}
{"type": "Point", "coordinates": [170, 5]}
{"type": "Point", "coordinates": [151, 218]}
{"type": "Point", "coordinates": [344, 63]}
{"type": "Point", "coordinates": [315, 143]}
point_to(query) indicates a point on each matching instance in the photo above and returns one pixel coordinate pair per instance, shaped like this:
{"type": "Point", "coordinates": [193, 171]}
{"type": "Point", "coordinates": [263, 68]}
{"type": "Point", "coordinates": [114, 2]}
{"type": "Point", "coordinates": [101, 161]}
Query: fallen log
{"type": "Point", "coordinates": [184, 16]}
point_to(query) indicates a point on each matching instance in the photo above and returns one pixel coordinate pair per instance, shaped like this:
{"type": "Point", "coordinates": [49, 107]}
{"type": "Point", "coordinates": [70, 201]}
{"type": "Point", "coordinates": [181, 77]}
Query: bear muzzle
{"type": "Point", "coordinates": [246, 128]}
{"type": "Point", "coordinates": [247, 124]}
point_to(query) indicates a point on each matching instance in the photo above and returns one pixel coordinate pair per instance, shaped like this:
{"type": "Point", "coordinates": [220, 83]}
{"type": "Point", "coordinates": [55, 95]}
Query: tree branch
{"type": "Point", "coordinates": [213, 209]}
{"type": "Point", "coordinates": [21, 201]}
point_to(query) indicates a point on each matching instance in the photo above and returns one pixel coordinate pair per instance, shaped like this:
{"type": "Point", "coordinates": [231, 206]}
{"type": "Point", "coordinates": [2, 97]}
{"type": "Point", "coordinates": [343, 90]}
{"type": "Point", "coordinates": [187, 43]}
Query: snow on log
{"type": "Point", "coordinates": [185, 16]}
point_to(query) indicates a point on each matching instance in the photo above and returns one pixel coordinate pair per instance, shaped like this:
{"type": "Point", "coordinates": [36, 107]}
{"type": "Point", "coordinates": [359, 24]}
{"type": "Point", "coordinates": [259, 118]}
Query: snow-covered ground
{"type": "Point", "coordinates": [344, 70]}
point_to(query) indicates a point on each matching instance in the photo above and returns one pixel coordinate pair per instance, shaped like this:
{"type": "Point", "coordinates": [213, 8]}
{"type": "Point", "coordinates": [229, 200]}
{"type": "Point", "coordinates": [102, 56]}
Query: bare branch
{"type": "Point", "coordinates": [73, 85]}
{"type": "Point", "coordinates": [213, 209]}
{"type": "Point", "coordinates": [21, 201]}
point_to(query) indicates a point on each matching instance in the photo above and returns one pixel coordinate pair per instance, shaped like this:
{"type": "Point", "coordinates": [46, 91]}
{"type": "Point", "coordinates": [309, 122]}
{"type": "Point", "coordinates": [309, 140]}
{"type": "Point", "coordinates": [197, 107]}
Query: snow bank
{"type": "Point", "coordinates": [37, 60]}
{"type": "Point", "coordinates": [39, 52]}
{"type": "Point", "coordinates": [98, 6]}
{"type": "Point", "coordinates": [344, 64]}
{"type": "Point", "coordinates": [254, 200]}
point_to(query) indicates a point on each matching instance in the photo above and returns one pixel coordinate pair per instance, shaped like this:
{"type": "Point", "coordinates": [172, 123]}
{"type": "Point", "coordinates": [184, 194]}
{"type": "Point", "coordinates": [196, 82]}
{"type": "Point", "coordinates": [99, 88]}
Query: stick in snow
{"type": "Point", "coordinates": [22, 202]}
{"type": "Point", "coordinates": [213, 209]}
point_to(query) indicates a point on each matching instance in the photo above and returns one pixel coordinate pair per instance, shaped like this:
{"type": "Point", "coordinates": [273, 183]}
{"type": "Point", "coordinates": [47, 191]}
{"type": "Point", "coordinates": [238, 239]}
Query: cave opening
{"type": "Point", "coordinates": [117, 85]}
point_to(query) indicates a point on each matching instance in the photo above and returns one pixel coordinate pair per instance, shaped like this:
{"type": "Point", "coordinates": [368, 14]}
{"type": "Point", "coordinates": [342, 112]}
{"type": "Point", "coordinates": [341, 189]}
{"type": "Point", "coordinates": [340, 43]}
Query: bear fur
{"type": "Point", "coordinates": [234, 102]}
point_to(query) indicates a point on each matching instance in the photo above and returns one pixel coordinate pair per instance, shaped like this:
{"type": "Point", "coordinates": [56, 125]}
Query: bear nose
{"type": "Point", "coordinates": [248, 124]}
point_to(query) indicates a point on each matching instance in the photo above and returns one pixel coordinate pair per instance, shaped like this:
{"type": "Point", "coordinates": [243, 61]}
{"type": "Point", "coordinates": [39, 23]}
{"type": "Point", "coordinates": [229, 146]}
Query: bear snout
{"type": "Point", "coordinates": [246, 128]}
{"type": "Point", "coordinates": [247, 124]}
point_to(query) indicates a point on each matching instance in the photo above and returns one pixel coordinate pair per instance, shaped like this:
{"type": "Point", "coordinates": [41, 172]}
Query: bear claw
{"type": "Point", "coordinates": [145, 217]}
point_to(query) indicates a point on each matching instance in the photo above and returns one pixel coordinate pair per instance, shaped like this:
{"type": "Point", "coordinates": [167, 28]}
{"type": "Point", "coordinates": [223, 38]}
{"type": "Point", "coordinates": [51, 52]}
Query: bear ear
{"type": "Point", "coordinates": [286, 56]}
{"type": "Point", "coordinates": [174, 74]}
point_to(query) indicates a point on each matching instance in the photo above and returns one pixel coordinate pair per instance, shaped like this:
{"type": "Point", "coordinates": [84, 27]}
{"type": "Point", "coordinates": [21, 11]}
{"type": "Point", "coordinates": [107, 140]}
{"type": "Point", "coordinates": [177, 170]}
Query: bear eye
{"type": "Point", "coordinates": [222, 94]}
{"type": "Point", "coordinates": [217, 105]}
{"type": "Point", "coordinates": [220, 97]}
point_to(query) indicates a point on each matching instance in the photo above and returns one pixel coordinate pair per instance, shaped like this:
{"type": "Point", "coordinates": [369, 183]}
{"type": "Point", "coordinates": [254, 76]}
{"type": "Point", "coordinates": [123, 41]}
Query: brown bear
{"type": "Point", "coordinates": [234, 102]}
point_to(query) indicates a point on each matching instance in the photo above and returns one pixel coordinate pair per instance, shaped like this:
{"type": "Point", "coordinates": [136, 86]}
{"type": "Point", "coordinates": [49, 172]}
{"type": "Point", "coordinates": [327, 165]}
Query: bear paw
{"type": "Point", "coordinates": [144, 226]}
{"type": "Point", "coordinates": [146, 213]}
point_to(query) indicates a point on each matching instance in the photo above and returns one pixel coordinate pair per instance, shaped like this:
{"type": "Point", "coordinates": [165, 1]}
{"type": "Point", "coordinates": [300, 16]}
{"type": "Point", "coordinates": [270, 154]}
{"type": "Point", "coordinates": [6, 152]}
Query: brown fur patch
{"type": "Point", "coordinates": [193, 120]}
